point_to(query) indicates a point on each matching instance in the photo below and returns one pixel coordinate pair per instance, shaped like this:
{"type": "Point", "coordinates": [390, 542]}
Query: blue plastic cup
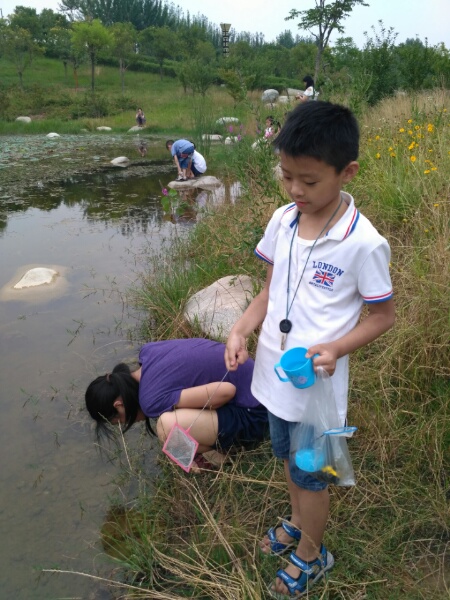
{"type": "Point", "coordinates": [309, 460]}
{"type": "Point", "coordinates": [298, 369]}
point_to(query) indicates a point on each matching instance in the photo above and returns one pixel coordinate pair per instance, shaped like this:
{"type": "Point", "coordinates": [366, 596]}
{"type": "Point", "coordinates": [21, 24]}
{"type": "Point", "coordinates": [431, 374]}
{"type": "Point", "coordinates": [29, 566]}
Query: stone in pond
{"type": "Point", "coordinates": [120, 161]}
{"type": "Point", "coordinates": [35, 277]}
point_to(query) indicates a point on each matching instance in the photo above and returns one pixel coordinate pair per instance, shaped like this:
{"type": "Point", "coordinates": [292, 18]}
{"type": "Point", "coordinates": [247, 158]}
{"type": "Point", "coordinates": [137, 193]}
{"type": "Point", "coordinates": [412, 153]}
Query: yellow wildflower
{"type": "Point", "coordinates": [412, 146]}
{"type": "Point", "coordinates": [377, 155]}
{"type": "Point", "coordinates": [436, 204]}
{"type": "Point", "coordinates": [430, 149]}
{"type": "Point", "coordinates": [430, 127]}
{"type": "Point", "coordinates": [401, 130]}
{"type": "Point", "coordinates": [417, 127]}
{"type": "Point", "coordinates": [377, 137]}
{"type": "Point", "coordinates": [426, 230]}
{"type": "Point", "coordinates": [390, 149]}
{"type": "Point", "coordinates": [410, 131]}
{"type": "Point", "coordinates": [413, 158]}
{"type": "Point", "coordinates": [393, 154]}
{"type": "Point", "coordinates": [434, 168]}
{"type": "Point", "coordinates": [409, 120]}
{"type": "Point", "coordinates": [427, 171]}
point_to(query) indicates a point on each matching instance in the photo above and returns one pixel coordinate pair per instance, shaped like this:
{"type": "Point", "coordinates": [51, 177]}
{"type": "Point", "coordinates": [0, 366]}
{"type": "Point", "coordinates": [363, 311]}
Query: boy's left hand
{"type": "Point", "coordinates": [327, 357]}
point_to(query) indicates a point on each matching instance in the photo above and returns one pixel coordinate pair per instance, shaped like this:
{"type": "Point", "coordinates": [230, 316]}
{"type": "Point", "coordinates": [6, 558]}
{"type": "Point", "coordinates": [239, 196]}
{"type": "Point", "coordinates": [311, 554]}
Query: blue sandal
{"type": "Point", "coordinates": [310, 573]}
{"type": "Point", "coordinates": [277, 547]}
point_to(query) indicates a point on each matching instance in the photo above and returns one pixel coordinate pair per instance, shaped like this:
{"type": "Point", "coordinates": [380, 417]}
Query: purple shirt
{"type": "Point", "coordinates": [170, 366]}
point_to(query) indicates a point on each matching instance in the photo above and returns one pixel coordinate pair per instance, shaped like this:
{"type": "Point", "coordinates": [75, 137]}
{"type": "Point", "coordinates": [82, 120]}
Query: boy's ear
{"type": "Point", "coordinates": [118, 402]}
{"type": "Point", "coordinates": [350, 171]}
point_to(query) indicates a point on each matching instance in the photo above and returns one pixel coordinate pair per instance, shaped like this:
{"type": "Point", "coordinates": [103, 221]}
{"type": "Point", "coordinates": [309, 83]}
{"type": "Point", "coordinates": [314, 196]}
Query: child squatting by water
{"type": "Point", "coordinates": [174, 382]}
{"type": "Point", "coordinates": [304, 304]}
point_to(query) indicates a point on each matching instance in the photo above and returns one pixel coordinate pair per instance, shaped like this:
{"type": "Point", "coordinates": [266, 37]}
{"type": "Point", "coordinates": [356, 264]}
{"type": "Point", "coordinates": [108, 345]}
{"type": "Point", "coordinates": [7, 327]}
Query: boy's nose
{"type": "Point", "coordinates": [297, 189]}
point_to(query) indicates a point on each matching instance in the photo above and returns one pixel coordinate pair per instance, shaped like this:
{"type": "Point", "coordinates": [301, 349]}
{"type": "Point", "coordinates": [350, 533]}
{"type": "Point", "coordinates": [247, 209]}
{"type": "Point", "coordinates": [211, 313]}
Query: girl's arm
{"type": "Point", "coordinates": [213, 394]}
{"type": "Point", "coordinates": [236, 351]}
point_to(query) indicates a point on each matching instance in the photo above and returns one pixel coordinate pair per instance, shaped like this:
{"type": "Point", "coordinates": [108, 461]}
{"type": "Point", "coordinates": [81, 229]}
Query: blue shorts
{"type": "Point", "coordinates": [280, 434]}
{"type": "Point", "coordinates": [240, 426]}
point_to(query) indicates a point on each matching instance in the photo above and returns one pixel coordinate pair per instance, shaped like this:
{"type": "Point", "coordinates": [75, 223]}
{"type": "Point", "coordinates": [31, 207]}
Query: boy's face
{"type": "Point", "coordinates": [314, 185]}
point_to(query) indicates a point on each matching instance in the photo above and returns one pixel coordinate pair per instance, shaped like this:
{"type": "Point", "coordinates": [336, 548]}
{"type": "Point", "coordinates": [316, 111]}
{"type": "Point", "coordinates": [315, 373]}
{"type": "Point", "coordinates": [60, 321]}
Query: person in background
{"type": "Point", "coordinates": [309, 93]}
{"type": "Point", "coordinates": [140, 117]}
{"type": "Point", "coordinates": [180, 381]}
{"type": "Point", "coordinates": [182, 151]}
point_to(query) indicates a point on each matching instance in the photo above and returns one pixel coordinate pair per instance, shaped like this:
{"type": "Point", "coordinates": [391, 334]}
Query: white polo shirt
{"type": "Point", "coordinates": [347, 268]}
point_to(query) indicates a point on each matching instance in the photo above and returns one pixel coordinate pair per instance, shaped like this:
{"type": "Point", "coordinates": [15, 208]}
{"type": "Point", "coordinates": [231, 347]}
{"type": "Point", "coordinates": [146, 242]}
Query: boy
{"type": "Point", "coordinates": [182, 151]}
{"type": "Point", "coordinates": [325, 260]}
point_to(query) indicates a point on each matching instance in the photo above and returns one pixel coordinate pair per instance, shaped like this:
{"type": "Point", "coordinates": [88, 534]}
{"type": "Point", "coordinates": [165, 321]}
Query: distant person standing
{"type": "Point", "coordinates": [182, 151]}
{"type": "Point", "coordinates": [309, 93]}
{"type": "Point", "coordinates": [198, 165]}
{"type": "Point", "coordinates": [140, 117]}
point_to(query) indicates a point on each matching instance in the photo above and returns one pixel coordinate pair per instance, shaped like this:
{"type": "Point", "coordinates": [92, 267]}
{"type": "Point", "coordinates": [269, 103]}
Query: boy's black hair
{"type": "Point", "coordinates": [104, 391]}
{"type": "Point", "coordinates": [169, 143]}
{"type": "Point", "coordinates": [322, 130]}
{"type": "Point", "coordinates": [308, 80]}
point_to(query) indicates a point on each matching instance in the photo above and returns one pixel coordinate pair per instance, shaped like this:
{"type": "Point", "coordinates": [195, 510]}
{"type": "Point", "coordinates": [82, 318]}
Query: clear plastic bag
{"type": "Point", "coordinates": [319, 443]}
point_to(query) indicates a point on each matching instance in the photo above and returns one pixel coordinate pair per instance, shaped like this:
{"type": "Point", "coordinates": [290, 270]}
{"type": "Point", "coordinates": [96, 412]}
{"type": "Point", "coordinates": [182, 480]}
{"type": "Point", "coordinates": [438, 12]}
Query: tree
{"type": "Point", "coordinates": [327, 17]}
{"type": "Point", "coordinates": [124, 40]}
{"type": "Point", "coordinates": [93, 37]}
{"type": "Point", "coordinates": [159, 43]}
{"type": "Point", "coordinates": [59, 45]}
{"type": "Point", "coordinates": [17, 46]}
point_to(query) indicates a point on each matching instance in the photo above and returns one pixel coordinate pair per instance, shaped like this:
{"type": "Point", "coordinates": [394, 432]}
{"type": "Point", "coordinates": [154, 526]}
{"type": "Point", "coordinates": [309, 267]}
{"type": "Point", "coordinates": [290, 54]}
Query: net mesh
{"type": "Point", "coordinates": [180, 447]}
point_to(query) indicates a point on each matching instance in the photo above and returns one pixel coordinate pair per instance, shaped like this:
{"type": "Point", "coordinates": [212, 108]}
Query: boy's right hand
{"type": "Point", "coordinates": [235, 352]}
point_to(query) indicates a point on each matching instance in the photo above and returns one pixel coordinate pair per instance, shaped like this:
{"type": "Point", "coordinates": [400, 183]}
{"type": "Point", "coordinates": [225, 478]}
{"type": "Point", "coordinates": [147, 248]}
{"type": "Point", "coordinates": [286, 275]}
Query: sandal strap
{"type": "Point", "coordinates": [291, 530]}
{"type": "Point", "coordinates": [301, 564]}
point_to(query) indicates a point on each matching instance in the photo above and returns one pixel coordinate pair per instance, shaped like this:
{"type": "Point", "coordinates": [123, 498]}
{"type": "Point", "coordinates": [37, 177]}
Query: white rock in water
{"type": "Point", "coordinates": [206, 182]}
{"type": "Point", "coordinates": [104, 128]}
{"type": "Point", "coordinates": [35, 277]}
{"type": "Point", "coordinates": [212, 137]}
{"type": "Point", "coordinates": [224, 120]}
{"type": "Point", "coordinates": [120, 161]}
{"type": "Point", "coordinates": [24, 119]}
{"type": "Point", "coordinates": [52, 135]}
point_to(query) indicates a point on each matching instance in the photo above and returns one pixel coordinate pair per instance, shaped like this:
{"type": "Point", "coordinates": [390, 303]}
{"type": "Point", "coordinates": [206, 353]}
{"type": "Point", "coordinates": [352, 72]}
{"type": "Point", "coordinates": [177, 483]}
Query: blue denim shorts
{"type": "Point", "coordinates": [239, 426]}
{"type": "Point", "coordinates": [280, 435]}
{"type": "Point", "coordinates": [185, 157]}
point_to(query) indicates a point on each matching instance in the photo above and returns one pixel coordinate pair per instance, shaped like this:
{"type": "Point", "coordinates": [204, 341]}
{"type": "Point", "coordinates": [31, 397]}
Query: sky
{"type": "Point", "coordinates": [409, 18]}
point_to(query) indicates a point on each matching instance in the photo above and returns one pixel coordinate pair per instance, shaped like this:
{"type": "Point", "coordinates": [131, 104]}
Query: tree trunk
{"type": "Point", "coordinates": [92, 71]}
{"type": "Point", "coordinates": [122, 74]}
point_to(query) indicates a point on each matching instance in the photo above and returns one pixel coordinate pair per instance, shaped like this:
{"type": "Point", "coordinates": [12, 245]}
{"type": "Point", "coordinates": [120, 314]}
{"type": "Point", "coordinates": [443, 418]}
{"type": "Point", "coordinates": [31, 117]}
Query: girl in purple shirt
{"type": "Point", "coordinates": [175, 381]}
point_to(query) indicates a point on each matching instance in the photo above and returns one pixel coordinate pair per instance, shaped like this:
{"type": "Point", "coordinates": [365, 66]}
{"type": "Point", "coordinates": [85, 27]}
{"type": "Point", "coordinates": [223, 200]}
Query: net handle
{"type": "Point", "coordinates": [209, 400]}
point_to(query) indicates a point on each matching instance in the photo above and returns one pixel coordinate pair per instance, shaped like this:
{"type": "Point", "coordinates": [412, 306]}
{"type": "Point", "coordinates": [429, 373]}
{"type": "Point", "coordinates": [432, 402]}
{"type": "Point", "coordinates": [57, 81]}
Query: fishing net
{"type": "Point", "coordinates": [180, 446]}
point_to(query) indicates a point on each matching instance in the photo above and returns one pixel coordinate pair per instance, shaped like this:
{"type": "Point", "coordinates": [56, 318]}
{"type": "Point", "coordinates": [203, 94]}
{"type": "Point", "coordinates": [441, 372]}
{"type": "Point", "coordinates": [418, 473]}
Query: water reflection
{"type": "Point", "coordinates": [56, 489]}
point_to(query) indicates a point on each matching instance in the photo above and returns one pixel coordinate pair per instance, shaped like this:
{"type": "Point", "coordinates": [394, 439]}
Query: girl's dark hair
{"type": "Point", "coordinates": [308, 80]}
{"type": "Point", "coordinates": [325, 131]}
{"type": "Point", "coordinates": [104, 391]}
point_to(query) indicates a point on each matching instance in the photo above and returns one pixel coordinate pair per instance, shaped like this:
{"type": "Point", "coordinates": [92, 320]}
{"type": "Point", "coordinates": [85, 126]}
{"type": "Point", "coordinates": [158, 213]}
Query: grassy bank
{"type": "Point", "coordinates": [197, 536]}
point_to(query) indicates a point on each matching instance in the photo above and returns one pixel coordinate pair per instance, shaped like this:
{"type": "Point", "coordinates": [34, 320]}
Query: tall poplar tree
{"type": "Point", "coordinates": [322, 20]}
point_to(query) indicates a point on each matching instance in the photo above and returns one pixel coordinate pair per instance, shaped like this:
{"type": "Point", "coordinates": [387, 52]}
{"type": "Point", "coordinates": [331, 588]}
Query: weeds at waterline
{"type": "Point", "coordinates": [198, 536]}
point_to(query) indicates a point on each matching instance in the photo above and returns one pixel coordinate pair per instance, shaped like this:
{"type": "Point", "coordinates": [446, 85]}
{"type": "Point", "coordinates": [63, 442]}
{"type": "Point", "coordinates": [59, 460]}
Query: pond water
{"type": "Point", "coordinates": [56, 488]}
